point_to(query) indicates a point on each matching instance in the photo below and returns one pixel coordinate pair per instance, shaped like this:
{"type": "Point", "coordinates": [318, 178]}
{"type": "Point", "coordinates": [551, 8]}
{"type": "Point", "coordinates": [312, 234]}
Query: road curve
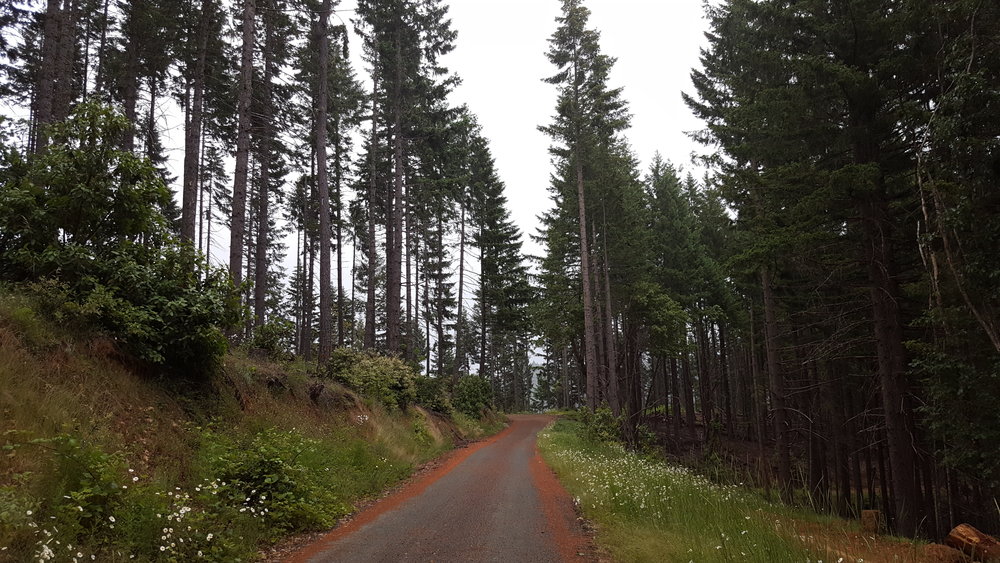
{"type": "Point", "coordinates": [493, 501]}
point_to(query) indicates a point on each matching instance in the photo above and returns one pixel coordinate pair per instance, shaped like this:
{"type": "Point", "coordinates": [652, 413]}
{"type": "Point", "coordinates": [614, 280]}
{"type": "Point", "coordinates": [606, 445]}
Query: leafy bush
{"type": "Point", "coordinates": [472, 395]}
{"type": "Point", "coordinates": [93, 219]}
{"type": "Point", "coordinates": [960, 411]}
{"type": "Point", "coordinates": [432, 392]}
{"type": "Point", "coordinates": [79, 496]}
{"type": "Point", "coordinates": [386, 380]}
{"type": "Point", "coordinates": [265, 475]}
{"type": "Point", "coordinates": [275, 337]}
{"type": "Point", "coordinates": [602, 425]}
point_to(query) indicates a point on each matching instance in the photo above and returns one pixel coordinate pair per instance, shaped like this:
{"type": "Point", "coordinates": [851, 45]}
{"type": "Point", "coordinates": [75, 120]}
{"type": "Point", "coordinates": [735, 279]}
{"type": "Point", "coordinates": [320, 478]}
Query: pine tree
{"type": "Point", "coordinates": [589, 116]}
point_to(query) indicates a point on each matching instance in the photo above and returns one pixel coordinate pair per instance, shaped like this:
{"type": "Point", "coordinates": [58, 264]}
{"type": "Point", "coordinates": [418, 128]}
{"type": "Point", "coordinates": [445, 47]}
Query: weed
{"type": "Point", "coordinates": [648, 510]}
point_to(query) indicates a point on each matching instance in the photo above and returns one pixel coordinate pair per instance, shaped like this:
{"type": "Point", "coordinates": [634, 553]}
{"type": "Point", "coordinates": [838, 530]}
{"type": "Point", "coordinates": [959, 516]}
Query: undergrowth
{"type": "Point", "coordinates": [99, 463]}
{"type": "Point", "coordinates": [648, 510]}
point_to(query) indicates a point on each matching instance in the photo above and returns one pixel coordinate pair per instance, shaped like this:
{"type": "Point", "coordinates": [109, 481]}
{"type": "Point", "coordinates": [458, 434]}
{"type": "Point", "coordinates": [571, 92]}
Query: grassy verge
{"type": "Point", "coordinates": [647, 510]}
{"type": "Point", "coordinates": [101, 463]}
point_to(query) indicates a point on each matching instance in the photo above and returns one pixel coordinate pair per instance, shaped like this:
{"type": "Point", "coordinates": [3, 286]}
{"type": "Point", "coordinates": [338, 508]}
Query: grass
{"type": "Point", "coordinates": [100, 461]}
{"type": "Point", "coordinates": [648, 510]}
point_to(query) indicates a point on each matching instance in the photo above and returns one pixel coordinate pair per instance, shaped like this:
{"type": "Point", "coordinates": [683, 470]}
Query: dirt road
{"type": "Point", "coordinates": [493, 501]}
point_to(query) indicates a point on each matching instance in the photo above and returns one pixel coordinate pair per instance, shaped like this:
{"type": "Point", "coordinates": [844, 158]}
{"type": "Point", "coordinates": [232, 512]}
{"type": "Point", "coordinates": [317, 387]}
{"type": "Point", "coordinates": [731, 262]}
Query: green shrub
{"type": "Point", "coordinates": [386, 380]}
{"type": "Point", "coordinates": [74, 503]}
{"type": "Point", "coordinates": [264, 475]}
{"type": "Point", "coordinates": [432, 393]}
{"type": "Point", "coordinates": [602, 425]}
{"type": "Point", "coordinates": [275, 337]}
{"type": "Point", "coordinates": [473, 395]}
{"type": "Point", "coordinates": [92, 219]}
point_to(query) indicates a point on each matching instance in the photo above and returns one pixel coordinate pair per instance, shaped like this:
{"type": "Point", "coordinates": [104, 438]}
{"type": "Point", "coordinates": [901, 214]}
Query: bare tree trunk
{"type": "Point", "coordinates": [192, 131]}
{"type": "Point", "coordinates": [460, 324]}
{"type": "Point", "coordinates": [369, 342]}
{"type": "Point", "coordinates": [338, 178]}
{"type": "Point", "coordinates": [724, 373]}
{"type": "Point", "coordinates": [891, 365]}
{"type": "Point", "coordinates": [439, 290]}
{"type": "Point", "coordinates": [564, 373]}
{"type": "Point", "coordinates": [308, 303]}
{"type": "Point", "coordinates": [271, 45]}
{"type": "Point", "coordinates": [688, 388]}
{"type": "Point", "coordinates": [238, 222]}
{"type": "Point", "coordinates": [324, 184]}
{"type": "Point", "coordinates": [777, 384]}
{"type": "Point", "coordinates": [410, 334]}
{"type": "Point", "coordinates": [200, 204]}
{"type": "Point", "coordinates": [394, 218]}
{"type": "Point", "coordinates": [675, 398]}
{"type": "Point", "coordinates": [484, 323]}
{"type": "Point", "coordinates": [611, 346]}
{"type": "Point", "coordinates": [63, 93]}
{"type": "Point", "coordinates": [130, 78]}
{"type": "Point", "coordinates": [151, 120]}
{"type": "Point", "coordinates": [101, 48]}
{"type": "Point", "coordinates": [589, 332]}
{"type": "Point", "coordinates": [705, 379]}
{"type": "Point", "coordinates": [46, 73]}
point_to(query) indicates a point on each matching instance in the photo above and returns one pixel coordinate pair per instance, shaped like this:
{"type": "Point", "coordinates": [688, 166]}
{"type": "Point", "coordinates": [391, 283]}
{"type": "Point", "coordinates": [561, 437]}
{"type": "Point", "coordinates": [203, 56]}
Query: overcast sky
{"type": "Point", "coordinates": [500, 57]}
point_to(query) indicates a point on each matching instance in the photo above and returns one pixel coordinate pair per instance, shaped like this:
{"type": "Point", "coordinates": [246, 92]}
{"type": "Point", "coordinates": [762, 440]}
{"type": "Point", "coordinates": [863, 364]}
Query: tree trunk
{"type": "Point", "coordinates": [675, 398]}
{"type": "Point", "coordinates": [409, 338]}
{"type": "Point", "coordinates": [589, 330]}
{"type": "Point", "coordinates": [724, 374]}
{"type": "Point", "coordinates": [192, 131]}
{"type": "Point", "coordinates": [238, 221]}
{"type": "Point", "coordinates": [130, 80]}
{"type": "Point", "coordinates": [777, 384]}
{"type": "Point", "coordinates": [484, 321]}
{"type": "Point", "coordinates": [338, 178]}
{"type": "Point", "coordinates": [394, 217]}
{"type": "Point", "coordinates": [323, 181]}
{"type": "Point", "coordinates": [891, 364]}
{"type": "Point", "coordinates": [101, 48]}
{"type": "Point", "coordinates": [460, 324]}
{"type": "Point", "coordinates": [63, 93]}
{"type": "Point", "coordinates": [705, 379]}
{"type": "Point", "coordinates": [151, 120]}
{"type": "Point", "coordinates": [266, 149]}
{"type": "Point", "coordinates": [688, 389]}
{"type": "Point", "coordinates": [369, 343]}
{"type": "Point", "coordinates": [46, 74]}
{"type": "Point", "coordinates": [611, 345]}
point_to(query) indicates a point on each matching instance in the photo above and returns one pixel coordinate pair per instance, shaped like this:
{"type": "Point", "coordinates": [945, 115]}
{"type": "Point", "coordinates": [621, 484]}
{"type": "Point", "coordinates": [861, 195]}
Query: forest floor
{"type": "Point", "coordinates": [843, 539]}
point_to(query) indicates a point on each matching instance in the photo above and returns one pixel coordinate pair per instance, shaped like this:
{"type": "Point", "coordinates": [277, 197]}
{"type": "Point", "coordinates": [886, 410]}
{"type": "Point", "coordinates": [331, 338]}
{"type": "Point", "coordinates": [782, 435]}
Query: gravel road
{"type": "Point", "coordinates": [493, 501]}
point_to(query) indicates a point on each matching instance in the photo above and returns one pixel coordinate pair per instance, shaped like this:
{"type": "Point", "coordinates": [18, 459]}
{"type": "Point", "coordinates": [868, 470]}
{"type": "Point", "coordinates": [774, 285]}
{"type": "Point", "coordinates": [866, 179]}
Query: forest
{"type": "Point", "coordinates": [816, 312]}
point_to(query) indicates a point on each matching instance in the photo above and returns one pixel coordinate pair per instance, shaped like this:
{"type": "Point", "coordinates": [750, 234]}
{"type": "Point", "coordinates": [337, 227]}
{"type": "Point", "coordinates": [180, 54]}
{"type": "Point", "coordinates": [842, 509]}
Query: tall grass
{"type": "Point", "coordinates": [648, 510]}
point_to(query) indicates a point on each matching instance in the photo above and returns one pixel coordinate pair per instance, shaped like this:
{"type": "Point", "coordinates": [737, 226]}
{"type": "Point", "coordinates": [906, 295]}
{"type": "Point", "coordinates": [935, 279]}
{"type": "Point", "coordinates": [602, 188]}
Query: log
{"type": "Point", "coordinates": [974, 543]}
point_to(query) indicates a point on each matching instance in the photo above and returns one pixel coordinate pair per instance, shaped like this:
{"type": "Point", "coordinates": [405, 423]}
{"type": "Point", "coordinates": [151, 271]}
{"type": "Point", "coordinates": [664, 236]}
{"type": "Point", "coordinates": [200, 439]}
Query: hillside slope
{"type": "Point", "coordinates": [103, 461]}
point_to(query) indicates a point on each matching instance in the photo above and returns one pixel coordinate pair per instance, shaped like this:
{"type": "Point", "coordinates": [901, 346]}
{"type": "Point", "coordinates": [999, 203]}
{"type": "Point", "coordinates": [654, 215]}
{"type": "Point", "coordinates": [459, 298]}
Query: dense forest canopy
{"type": "Point", "coordinates": [819, 309]}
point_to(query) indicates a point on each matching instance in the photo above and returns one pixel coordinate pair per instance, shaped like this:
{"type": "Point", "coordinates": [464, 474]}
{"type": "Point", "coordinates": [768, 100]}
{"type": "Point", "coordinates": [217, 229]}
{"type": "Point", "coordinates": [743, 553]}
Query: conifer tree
{"type": "Point", "coordinates": [589, 116]}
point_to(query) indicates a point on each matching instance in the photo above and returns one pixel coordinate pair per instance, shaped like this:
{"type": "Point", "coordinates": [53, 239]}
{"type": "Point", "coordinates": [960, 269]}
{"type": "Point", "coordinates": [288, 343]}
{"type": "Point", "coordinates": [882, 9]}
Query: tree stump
{"type": "Point", "coordinates": [974, 543]}
{"type": "Point", "coordinates": [871, 522]}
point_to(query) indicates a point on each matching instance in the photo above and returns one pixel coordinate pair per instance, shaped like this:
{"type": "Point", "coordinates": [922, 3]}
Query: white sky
{"type": "Point", "coordinates": [500, 56]}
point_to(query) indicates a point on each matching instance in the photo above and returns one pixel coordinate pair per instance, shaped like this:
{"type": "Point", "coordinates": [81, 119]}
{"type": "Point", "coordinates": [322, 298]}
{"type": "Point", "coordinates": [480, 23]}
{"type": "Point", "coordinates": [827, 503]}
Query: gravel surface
{"type": "Point", "coordinates": [493, 501]}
